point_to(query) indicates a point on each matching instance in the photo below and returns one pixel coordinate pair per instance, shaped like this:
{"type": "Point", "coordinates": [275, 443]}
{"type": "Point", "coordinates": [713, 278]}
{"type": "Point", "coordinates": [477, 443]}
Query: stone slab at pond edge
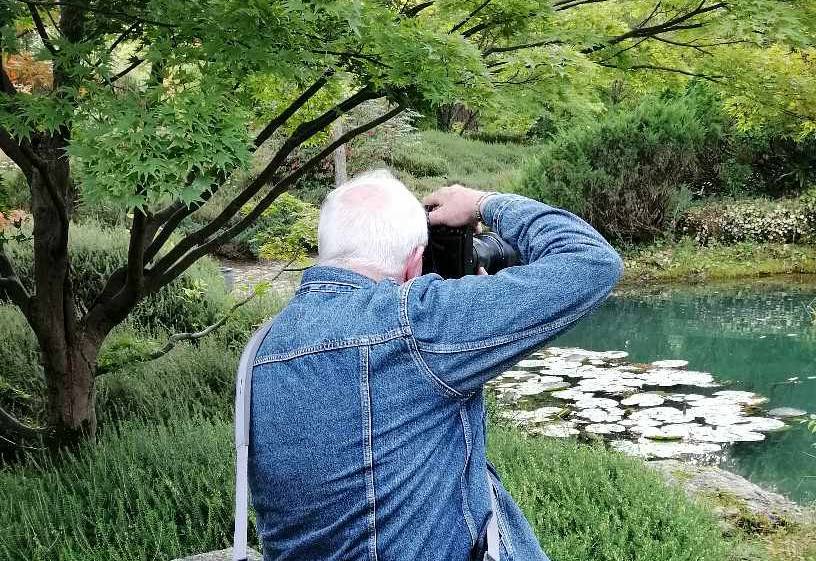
{"type": "Point", "coordinates": [713, 482]}
{"type": "Point", "coordinates": [222, 555]}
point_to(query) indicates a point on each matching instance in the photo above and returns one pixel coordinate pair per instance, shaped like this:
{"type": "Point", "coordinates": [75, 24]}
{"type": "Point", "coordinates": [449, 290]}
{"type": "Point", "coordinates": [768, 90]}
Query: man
{"type": "Point", "coordinates": [367, 435]}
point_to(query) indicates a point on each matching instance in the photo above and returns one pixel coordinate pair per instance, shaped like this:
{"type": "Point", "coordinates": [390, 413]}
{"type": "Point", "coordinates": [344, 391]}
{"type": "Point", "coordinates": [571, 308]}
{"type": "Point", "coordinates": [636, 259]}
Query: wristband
{"type": "Point", "coordinates": [479, 217]}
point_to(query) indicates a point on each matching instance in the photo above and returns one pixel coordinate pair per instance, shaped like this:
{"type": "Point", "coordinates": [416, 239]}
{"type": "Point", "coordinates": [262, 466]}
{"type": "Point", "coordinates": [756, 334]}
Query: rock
{"type": "Point", "coordinates": [597, 415]}
{"type": "Point", "coordinates": [711, 481]}
{"type": "Point", "coordinates": [764, 424]}
{"type": "Point", "coordinates": [663, 414]}
{"type": "Point", "coordinates": [222, 555]}
{"type": "Point", "coordinates": [520, 375]}
{"type": "Point", "coordinates": [678, 364]}
{"type": "Point", "coordinates": [786, 412]}
{"type": "Point", "coordinates": [643, 400]}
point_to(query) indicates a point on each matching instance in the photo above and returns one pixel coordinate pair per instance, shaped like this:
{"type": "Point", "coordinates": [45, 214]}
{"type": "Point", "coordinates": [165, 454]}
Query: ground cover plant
{"type": "Point", "coordinates": [158, 482]}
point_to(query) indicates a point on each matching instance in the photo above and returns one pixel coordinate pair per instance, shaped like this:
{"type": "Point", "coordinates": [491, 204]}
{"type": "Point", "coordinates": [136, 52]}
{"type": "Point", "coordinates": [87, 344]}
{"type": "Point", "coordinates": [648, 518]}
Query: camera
{"type": "Point", "coordinates": [455, 252]}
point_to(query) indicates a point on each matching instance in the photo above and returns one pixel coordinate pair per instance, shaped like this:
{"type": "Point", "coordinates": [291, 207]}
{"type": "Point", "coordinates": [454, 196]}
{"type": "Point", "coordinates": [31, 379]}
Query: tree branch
{"type": "Point", "coordinates": [10, 282]}
{"type": "Point", "coordinates": [40, 26]}
{"type": "Point", "coordinates": [566, 4]}
{"type": "Point", "coordinates": [115, 14]}
{"type": "Point", "coordinates": [303, 132]}
{"type": "Point", "coordinates": [672, 24]}
{"type": "Point", "coordinates": [11, 425]}
{"type": "Point", "coordinates": [512, 48]}
{"type": "Point", "coordinates": [173, 270]}
{"type": "Point", "coordinates": [414, 10]}
{"type": "Point", "coordinates": [177, 338]}
{"type": "Point", "coordinates": [470, 16]}
{"type": "Point", "coordinates": [714, 78]}
{"type": "Point", "coordinates": [301, 100]}
{"type": "Point", "coordinates": [134, 62]}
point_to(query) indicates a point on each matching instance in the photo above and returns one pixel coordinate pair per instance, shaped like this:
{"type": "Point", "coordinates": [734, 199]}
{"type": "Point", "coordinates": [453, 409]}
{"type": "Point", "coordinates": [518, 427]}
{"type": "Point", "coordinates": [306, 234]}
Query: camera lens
{"type": "Point", "coordinates": [493, 253]}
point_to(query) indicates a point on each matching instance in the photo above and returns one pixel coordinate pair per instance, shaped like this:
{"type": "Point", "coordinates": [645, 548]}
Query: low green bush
{"type": "Point", "coordinates": [142, 491]}
{"type": "Point", "coordinates": [589, 504]}
{"type": "Point", "coordinates": [629, 174]}
{"type": "Point", "coordinates": [13, 191]}
{"type": "Point", "coordinates": [191, 302]}
{"type": "Point", "coordinates": [287, 229]}
{"type": "Point", "coordinates": [789, 221]}
{"type": "Point", "coordinates": [22, 385]}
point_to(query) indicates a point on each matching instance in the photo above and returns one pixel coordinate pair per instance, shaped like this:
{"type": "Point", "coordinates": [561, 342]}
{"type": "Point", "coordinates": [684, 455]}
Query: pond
{"type": "Point", "coordinates": [755, 336]}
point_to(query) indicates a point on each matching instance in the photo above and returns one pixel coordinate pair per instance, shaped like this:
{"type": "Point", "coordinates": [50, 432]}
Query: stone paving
{"type": "Point", "coordinates": [245, 274]}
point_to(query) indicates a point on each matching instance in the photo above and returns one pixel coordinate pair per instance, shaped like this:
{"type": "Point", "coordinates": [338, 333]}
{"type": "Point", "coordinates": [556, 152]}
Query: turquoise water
{"type": "Point", "coordinates": [754, 336]}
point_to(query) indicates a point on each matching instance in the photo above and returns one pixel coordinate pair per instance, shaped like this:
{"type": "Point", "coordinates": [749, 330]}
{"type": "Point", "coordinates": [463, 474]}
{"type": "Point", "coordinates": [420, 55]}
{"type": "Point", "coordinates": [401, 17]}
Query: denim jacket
{"type": "Point", "coordinates": [367, 434]}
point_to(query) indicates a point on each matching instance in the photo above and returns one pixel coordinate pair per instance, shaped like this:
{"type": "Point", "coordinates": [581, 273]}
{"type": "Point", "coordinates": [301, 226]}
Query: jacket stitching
{"type": "Point", "coordinates": [368, 452]}
{"type": "Point", "coordinates": [504, 339]}
{"type": "Point", "coordinates": [471, 524]}
{"type": "Point", "coordinates": [423, 367]}
{"type": "Point", "coordinates": [330, 346]}
{"type": "Point", "coordinates": [501, 520]}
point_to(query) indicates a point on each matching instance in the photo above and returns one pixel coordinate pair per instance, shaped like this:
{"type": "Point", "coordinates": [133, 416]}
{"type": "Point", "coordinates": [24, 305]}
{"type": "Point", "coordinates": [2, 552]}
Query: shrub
{"type": "Point", "coordinates": [788, 221]}
{"type": "Point", "coordinates": [13, 191]}
{"type": "Point", "coordinates": [191, 302]}
{"type": "Point", "coordinates": [588, 504]}
{"type": "Point", "coordinates": [288, 229]}
{"type": "Point", "coordinates": [22, 383]}
{"type": "Point", "coordinates": [628, 174]}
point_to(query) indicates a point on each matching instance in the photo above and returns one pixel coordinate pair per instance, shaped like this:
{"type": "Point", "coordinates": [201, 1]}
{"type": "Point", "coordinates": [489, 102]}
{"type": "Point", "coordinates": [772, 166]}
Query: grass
{"type": "Point", "coordinates": [158, 482]}
{"type": "Point", "coordinates": [589, 504]}
{"type": "Point", "coordinates": [437, 159]}
{"type": "Point", "coordinates": [687, 261]}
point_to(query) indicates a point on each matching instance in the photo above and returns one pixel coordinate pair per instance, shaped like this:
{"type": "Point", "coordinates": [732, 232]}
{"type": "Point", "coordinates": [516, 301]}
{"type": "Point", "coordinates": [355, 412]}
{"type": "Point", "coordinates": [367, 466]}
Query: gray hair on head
{"type": "Point", "coordinates": [371, 222]}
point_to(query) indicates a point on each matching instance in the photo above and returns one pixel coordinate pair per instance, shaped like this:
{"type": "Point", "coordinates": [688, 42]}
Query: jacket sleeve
{"type": "Point", "coordinates": [466, 331]}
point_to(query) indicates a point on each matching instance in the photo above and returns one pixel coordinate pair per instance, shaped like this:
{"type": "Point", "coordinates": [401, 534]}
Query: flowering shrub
{"type": "Point", "coordinates": [761, 221]}
{"type": "Point", "coordinates": [13, 220]}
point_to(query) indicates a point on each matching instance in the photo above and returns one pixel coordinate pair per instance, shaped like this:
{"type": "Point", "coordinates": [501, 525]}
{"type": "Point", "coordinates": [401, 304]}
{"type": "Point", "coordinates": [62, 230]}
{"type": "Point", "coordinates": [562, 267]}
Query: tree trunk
{"type": "Point", "coordinates": [68, 349]}
{"type": "Point", "coordinates": [70, 371]}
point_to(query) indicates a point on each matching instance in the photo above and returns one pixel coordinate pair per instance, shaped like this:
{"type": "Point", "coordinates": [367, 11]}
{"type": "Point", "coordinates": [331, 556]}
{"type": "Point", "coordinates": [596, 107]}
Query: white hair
{"type": "Point", "coordinates": [372, 222]}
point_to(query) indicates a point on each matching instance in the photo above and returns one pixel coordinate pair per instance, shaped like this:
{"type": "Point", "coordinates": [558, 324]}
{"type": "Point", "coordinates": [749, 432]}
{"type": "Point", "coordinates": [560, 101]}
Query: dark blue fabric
{"type": "Point", "coordinates": [367, 433]}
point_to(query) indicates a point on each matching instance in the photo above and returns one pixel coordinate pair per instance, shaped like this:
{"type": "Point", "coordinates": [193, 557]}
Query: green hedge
{"type": "Point", "coordinates": [628, 174]}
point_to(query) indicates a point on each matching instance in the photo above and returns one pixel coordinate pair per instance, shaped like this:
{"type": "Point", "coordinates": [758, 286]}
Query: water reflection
{"type": "Point", "coordinates": [757, 335]}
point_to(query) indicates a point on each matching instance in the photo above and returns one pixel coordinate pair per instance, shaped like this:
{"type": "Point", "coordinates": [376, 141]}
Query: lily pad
{"type": "Point", "coordinates": [786, 412]}
{"type": "Point", "coordinates": [604, 428]}
{"type": "Point", "coordinates": [673, 364]}
{"type": "Point", "coordinates": [643, 400]}
{"type": "Point", "coordinates": [563, 429]}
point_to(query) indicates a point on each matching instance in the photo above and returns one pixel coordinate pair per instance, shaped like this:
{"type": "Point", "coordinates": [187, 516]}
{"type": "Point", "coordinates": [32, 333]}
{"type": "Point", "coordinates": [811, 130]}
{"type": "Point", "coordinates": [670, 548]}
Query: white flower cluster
{"type": "Point", "coordinates": [758, 221]}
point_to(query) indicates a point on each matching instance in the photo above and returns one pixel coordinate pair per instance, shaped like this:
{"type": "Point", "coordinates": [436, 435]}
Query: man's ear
{"type": "Point", "coordinates": [413, 266]}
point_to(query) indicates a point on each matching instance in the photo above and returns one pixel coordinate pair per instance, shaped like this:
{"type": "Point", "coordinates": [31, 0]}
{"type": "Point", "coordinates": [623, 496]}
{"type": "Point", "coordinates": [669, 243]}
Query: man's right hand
{"type": "Point", "coordinates": [455, 206]}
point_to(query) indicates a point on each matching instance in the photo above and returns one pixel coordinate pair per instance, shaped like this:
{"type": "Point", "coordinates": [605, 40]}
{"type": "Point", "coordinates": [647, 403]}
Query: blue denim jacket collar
{"type": "Point", "coordinates": [321, 277]}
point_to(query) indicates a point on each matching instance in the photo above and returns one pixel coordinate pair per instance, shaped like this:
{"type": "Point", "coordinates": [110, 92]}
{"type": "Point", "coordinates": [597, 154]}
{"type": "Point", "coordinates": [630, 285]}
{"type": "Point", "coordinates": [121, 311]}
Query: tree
{"type": "Point", "coordinates": [150, 104]}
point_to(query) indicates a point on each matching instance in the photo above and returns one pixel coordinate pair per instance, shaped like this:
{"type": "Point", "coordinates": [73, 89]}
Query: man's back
{"type": "Point", "coordinates": [367, 435]}
{"type": "Point", "coordinates": [336, 392]}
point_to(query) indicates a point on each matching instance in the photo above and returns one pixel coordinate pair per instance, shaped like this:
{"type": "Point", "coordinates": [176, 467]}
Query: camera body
{"type": "Point", "coordinates": [455, 252]}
